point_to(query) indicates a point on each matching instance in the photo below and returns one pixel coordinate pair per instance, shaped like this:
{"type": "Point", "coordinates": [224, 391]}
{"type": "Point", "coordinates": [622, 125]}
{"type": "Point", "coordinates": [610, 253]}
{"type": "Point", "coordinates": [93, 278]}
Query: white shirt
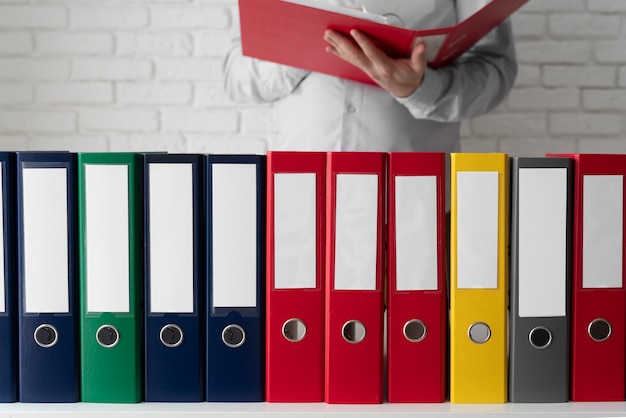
{"type": "Point", "coordinates": [317, 112]}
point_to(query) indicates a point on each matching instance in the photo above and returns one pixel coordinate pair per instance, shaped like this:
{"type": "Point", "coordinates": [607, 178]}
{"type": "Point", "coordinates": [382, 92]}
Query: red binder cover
{"type": "Point", "coordinates": [295, 276]}
{"type": "Point", "coordinates": [292, 34]}
{"type": "Point", "coordinates": [354, 272]}
{"type": "Point", "coordinates": [598, 361]}
{"type": "Point", "coordinates": [416, 307]}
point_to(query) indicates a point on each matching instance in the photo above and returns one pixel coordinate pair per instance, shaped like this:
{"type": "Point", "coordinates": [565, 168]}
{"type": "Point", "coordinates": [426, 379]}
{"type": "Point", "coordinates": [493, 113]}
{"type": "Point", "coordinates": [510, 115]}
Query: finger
{"type": "Point", "coordinates": [330, 49]}
{"type": "Point", "coordinates": [371, 51]}
{"type": "Point", "coordinates": [331, 37]}
{"type": "Point", "coordinates": [337, 40]}
{"type": "Point", "coordinates": [344, 48]}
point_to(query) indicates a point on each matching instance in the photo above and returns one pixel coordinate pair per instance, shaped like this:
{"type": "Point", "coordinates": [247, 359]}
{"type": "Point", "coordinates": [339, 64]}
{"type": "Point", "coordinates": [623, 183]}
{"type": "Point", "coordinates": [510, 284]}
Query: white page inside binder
{"type": "Point", "coordinates": [433, 45]}
{"type": "Point", "coordinates": [477, 230]}
{"type": "Point", "coordinates": [356, 231]}
{"type": "Point", "coordinates": [603, 211]}
{"type": "Point", "coordinates": [45, 223]}
{"type": "Point", "coordinates": [360, 13]}
{"type": "Point", "coordinates": [234, 240]}
{"type": "Point", "coordinates": [2, 238]}
{"type": "Point", "coordinates": [416, 233]}
{"type": "Point", "coordinates": [106, 238]}
{"type": "Point", "coordinates": [295, 233]}
{"type": "Point", "coordinates": [542, 241]}
{"type": "Point", "coordinates": [171, 216]}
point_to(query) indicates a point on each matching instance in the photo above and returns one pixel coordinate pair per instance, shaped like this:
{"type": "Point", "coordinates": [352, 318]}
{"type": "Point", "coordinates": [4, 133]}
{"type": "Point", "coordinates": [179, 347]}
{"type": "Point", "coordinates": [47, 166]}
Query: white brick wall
{"type": "Point", "coordinates": [568, 96]}
{"type": "Point", "coordinates": [145, 75]}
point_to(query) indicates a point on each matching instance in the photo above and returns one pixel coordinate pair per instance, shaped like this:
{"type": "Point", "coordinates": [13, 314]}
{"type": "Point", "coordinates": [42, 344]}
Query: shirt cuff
{"type": "Point", "coordinates": [425, 96]}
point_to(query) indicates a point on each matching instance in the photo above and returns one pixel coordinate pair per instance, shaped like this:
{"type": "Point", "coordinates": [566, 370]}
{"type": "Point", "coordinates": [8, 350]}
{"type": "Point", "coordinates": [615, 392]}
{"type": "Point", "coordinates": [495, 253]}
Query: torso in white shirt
{"type": "Point", "coordinates": [332, 114]}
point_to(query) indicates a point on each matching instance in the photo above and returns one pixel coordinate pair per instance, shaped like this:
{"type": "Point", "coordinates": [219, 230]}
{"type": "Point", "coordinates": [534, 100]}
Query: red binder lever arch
{"type": "Point", "coordinates": [354, 263]}
{"type": "Point", "coordinates": [598, 293]}
{"type": "Point", "coordinates": [416, 307]}
{"type": "Point", "coordinates": [295, 276]}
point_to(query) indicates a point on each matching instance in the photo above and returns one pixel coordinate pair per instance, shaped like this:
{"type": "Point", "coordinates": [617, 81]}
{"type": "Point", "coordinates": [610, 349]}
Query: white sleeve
{"type": "Point", "coordinates": [251, 80]}
{"type": "Point", "coordinates": [471, 86]}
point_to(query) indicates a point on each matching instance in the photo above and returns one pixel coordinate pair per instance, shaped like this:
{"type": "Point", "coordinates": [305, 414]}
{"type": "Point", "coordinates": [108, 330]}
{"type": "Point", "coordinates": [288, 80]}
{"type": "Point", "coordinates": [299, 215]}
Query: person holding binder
{"type": "Point", "coordinates": [412, 107]}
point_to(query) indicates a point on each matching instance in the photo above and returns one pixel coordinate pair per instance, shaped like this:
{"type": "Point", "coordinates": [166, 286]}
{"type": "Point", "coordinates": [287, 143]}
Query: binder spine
{"type": "Point", "coordinates": [539, 360]}
{"type": "Point", "coordinates": [295, 276]}
{"type": "Point", "coordinates": [354, 362]}
{"type": "Point", "coordinates": [479, 278]}
{"type": "Point", "coordinates": [416, 290]}
{"type": "Point", "coordinates": [174, 369]}
{"type": "Point", "coordinates": [235, 372]}
{"type": "Point", "coordinates": [111, 372]}
{"type": "Point", "coordinates": [8, 318]}
{"type": "Point", "coordinates": [60, 360]}
{"type": "Point", "coordinates": [597, 365]}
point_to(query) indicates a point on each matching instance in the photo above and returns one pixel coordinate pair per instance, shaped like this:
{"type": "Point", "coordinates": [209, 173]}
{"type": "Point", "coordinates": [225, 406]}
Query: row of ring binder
{"type": "Point", "coordinates": [134, 277]}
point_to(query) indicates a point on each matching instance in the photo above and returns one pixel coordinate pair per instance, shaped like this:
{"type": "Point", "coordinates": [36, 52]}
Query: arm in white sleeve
{"type": "Point", "coordinates": [471, 86]}
{"type": "Point", "coordinates": [251, 80]}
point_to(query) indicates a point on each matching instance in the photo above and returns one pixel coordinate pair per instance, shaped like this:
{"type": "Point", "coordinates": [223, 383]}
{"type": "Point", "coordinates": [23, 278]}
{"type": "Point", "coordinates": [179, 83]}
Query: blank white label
{"type": "Point", "coordinates": [3, 267]}
{"type": "Point", "coordinates": [295, 233]}
{"type": "Point", "coordinates": [356, 226]}
{"type": "Point", "coordinates": [106, 238]}
{"type": "Point", "coordinates": [234, 193]}
{"type": "Point", "coordinates": [45, 223]}
{"type": "Point", "coordinates": [416, 232]}
{"type": "Point", "coordinates": [170, 209]}
{"type": "Point", "coordinates": [477, 230]}
{"type": "Point", "coordinates": [603, 208]}
{"type": "Point", "coordinates": [542, 241]}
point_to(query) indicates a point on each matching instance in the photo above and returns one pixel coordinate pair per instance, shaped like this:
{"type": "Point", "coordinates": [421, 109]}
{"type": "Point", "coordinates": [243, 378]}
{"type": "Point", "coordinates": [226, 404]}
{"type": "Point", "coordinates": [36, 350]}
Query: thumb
{"type": "Point", "coordinates": [418, 55]}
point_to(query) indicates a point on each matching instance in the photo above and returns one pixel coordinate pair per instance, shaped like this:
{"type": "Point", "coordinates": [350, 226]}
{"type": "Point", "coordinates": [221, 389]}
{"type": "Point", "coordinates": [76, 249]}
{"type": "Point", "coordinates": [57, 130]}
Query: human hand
{"type": "Point", "coordinates": [399, 76]}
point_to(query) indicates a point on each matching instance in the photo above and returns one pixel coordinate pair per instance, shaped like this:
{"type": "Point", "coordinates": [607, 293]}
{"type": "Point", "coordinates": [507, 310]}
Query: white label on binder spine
{"type": "Point", "coordinates": [356, 226]}
{"type": "Point", "coordinates": [603, 209]}
{"type": "Point", "coordinates": [3, 267]}
{"type": "Point", "coordinates": [170, 211]}
{"type": "Point", "coordinates": [106, 238]}
{"type": "Point", "coordinates": [234, 225]}
{"type": "Point", "coordinates": [45, 226]}
{"type": "Point", "coordinates": [542, 254]}
{"type": "Point", "coordinates": [295, 231]}
{"type": "Point", "coordinates": [477, 229]}
{"type": "Point", "coordinates": [416, 233]}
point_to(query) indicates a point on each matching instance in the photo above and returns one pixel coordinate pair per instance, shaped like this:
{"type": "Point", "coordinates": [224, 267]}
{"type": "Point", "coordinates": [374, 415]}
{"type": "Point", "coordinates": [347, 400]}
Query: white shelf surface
{"type": "Point", "coordinates": [311, 410]}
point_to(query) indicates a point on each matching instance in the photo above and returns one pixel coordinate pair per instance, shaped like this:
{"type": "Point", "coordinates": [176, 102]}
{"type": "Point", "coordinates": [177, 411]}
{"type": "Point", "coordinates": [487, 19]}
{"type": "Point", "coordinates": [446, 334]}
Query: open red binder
{"type": "Point", "coordinates": [290, 32]}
